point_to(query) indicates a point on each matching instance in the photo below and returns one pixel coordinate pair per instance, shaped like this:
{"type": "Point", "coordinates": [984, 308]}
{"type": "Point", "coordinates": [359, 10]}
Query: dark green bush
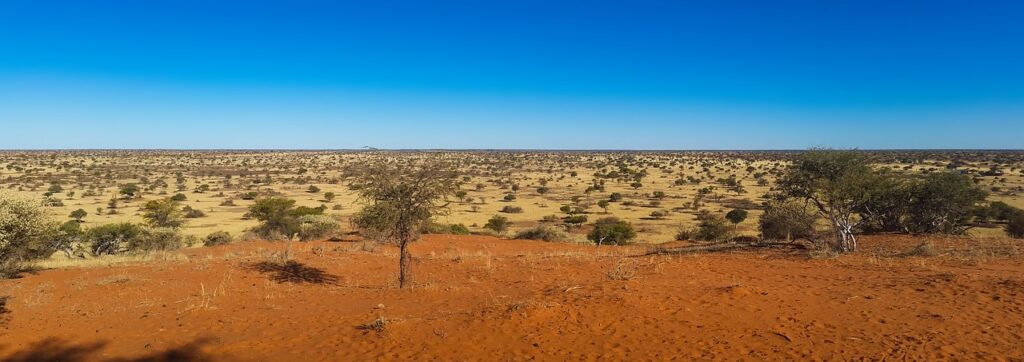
{"type": "Point", "coordinates": [713, 228]}
{"type": "Point", "coordinates": [1015, 226]}
{"type": "Point", "coordinates": [112, 239]}
{"type": "Point", "coordinates": [509, 209]}
{"type": "Point", "coordinates": [787, 220]}
{"type": "Point", "coordinates": [611, 230]}
{"type": "Point", "coordinates": [498, 223]}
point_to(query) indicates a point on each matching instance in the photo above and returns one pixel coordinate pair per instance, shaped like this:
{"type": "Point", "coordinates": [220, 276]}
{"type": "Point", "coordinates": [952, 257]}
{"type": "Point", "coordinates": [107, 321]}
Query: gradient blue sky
{"type": "Point", "coordinates": [512, 74]}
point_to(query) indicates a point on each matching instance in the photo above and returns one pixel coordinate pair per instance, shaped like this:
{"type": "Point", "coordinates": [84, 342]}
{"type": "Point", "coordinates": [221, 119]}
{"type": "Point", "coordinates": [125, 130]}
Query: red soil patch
{"type": "Point", "coordinates": [482, 298]}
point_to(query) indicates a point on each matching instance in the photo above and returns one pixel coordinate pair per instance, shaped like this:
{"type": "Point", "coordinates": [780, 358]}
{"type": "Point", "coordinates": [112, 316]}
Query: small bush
{"type": "Point", "coordinates": [611, 230]}
{"type": "Point", "coordinates": [509, 209]}
{"type": "Point", "coordinates": [713, 228]}
{"type": "Point", "coordinates": [575, 220]}
{"type": "Point", "coordinates": [498, 223]}
{"type": "Point", "coordinates": [191, 213]}
{"type": "Point", "coordinates": [156, 239]}
{"type": "Point", "coordinates": [24, 227]}
{"type": "Point", "coordinates": [686, 233]}
{"type": "Point", "coordinates": [217, 238]}
{"type": "Point", "coordinates": [787, 221]}
{"type": "Point", "coordinates": [736, 216]}
{"type": "Point", "coordinates": [543, 232]}
{"type": "Point", "coordinates": [458, 229]}
{"type": "Point", "coordinates": [439, 228]}
{"type": "Point", "coordinates": [1015, 226]}
{"type": "Point", "coordinates": [312, 227]}
{"type": "Point", "coordinates": [112, 239]}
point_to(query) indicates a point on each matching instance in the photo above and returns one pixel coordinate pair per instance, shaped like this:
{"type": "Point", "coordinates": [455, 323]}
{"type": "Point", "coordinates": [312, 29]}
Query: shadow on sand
{"type": "Point", "coordinates": [4, 312]}
{"type": "Point", "coordinates": [781, 249]}
{"type": "Point", "coordinates": [54, 349]}
{"type": "Point", "coordinates": [294, 272]}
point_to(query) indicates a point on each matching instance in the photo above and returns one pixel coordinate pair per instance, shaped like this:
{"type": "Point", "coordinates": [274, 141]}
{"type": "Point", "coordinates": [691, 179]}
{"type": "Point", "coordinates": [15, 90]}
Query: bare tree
{"type": "Point", "coordinates": [400, 196]}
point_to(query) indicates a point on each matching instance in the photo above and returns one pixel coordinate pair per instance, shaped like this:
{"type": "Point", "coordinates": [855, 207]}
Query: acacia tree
{"type": "Point", "coordinates": [837, 183]}
{"type": "Point", "coordinates": [163, 213]}
{"type": "Point", "coordinates": [400, 198]}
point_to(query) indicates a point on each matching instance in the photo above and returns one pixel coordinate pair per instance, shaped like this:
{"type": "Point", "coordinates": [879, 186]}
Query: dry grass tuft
{"type": "Point", "coordinates": [379, 325]}
{"type": "Point", "coordinates": [624, 269]}
{"type": "Point", "coordinates": [109, 260]}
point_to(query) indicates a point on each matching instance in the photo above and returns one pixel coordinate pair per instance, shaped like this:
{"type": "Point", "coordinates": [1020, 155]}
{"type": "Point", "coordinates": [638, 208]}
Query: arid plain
{"type": "Point", "coordinates": [478, 292]}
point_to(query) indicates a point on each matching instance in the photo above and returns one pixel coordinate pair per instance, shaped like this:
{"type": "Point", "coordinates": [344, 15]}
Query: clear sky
{"type": "Point", "coordinates": [550, 74]}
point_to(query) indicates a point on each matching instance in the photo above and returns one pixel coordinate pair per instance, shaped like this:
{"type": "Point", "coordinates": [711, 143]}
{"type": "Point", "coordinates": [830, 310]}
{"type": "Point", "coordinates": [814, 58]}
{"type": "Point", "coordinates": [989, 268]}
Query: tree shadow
{"type": "Point", "coordinates": [54, 349]}
{"type": "Point", "coordinates": [294, 272]}
{"type": "Point", "coordinates": [781, 249]}
{"type": "Point", "coordinates": [4, 312]}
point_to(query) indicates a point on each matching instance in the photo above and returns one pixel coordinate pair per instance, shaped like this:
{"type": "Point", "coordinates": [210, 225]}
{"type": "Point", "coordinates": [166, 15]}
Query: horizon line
{"type": "Point", "coordinates": [505, 149]}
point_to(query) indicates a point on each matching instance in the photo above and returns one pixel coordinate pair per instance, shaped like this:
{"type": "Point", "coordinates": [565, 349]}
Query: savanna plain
{"type": "Point", "coordinates": [511, 255]}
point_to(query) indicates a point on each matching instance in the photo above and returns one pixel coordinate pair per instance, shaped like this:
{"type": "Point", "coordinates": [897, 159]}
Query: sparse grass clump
{"type": "Point", "coordinates": [925, 249]}
{"type": "Point", "coordinates": [379, 325]}
{"type": "Point", "coordinates": [624, 269]}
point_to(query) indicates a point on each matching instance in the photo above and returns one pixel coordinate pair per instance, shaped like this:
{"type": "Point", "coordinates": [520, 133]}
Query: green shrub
{"type": "Point", "coordinates": [1015, 226]}
{"type": "Point", "coordinates": [277, 218]}
{"type": "Point", "coordinates": [498, 223]}
{"type": "Point", "coordinates": [943, 203]}
{"type": "Point", "coordinates": [313, 227]}
{"type": "Point", "coordinates": [611, 230]}
{"type": "Point", "coordinates": [191, 213]}
{"type": "Point", "coordinates": [217, 238]}
{"type": "Point", "coordinates": [162, 213]}
{"type": "Point", "coordinates": [458, 229]}
{"type": "Point", "coordinates": [736, 216]}
{"type": "Point", "coordinates": [112, 239]}
{"type": "Point", "coordinates": [157, 239]}
{"type": "Point", "coordinates": [508, 209]}
{"type": "Point", "coordinates": [543, 232]}
{"type": "Point", "coordinates": [787, 220]}
{"type": "Point", "coordinates": [713, 228]}
{"type": "Point", "coordinates": [24, 230]}
{"type": "Point", "coordinates": [575, 220]}
{"type": "Point", "coordinates": [686, 233]}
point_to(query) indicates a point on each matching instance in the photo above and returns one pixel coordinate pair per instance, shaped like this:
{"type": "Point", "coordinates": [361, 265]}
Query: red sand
{"type": "Point", "coordinates": [481, 298]}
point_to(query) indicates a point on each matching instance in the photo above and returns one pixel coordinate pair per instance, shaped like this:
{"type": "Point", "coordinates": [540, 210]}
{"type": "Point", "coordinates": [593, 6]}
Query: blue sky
{"type": "Point", "coordinates": [512, 74]}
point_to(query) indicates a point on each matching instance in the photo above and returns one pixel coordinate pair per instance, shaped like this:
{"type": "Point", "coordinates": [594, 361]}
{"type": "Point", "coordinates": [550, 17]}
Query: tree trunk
{"type": "Point", "coordinates": [846, 242]}
{"type": "Point", "coordinates": [403, 264]}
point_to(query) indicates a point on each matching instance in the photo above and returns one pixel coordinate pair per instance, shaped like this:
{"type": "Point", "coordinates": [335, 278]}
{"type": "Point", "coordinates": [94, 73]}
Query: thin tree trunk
{"type": "Point", "coordinates": [403, 264]}
{"type": "Point", "coordinates": [846, 241]}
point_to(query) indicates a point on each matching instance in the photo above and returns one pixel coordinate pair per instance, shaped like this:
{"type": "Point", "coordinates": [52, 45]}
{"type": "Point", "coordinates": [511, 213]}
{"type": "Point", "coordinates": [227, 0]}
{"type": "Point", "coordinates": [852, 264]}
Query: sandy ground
{"type": "Point", "coordinates": [482, 298]}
